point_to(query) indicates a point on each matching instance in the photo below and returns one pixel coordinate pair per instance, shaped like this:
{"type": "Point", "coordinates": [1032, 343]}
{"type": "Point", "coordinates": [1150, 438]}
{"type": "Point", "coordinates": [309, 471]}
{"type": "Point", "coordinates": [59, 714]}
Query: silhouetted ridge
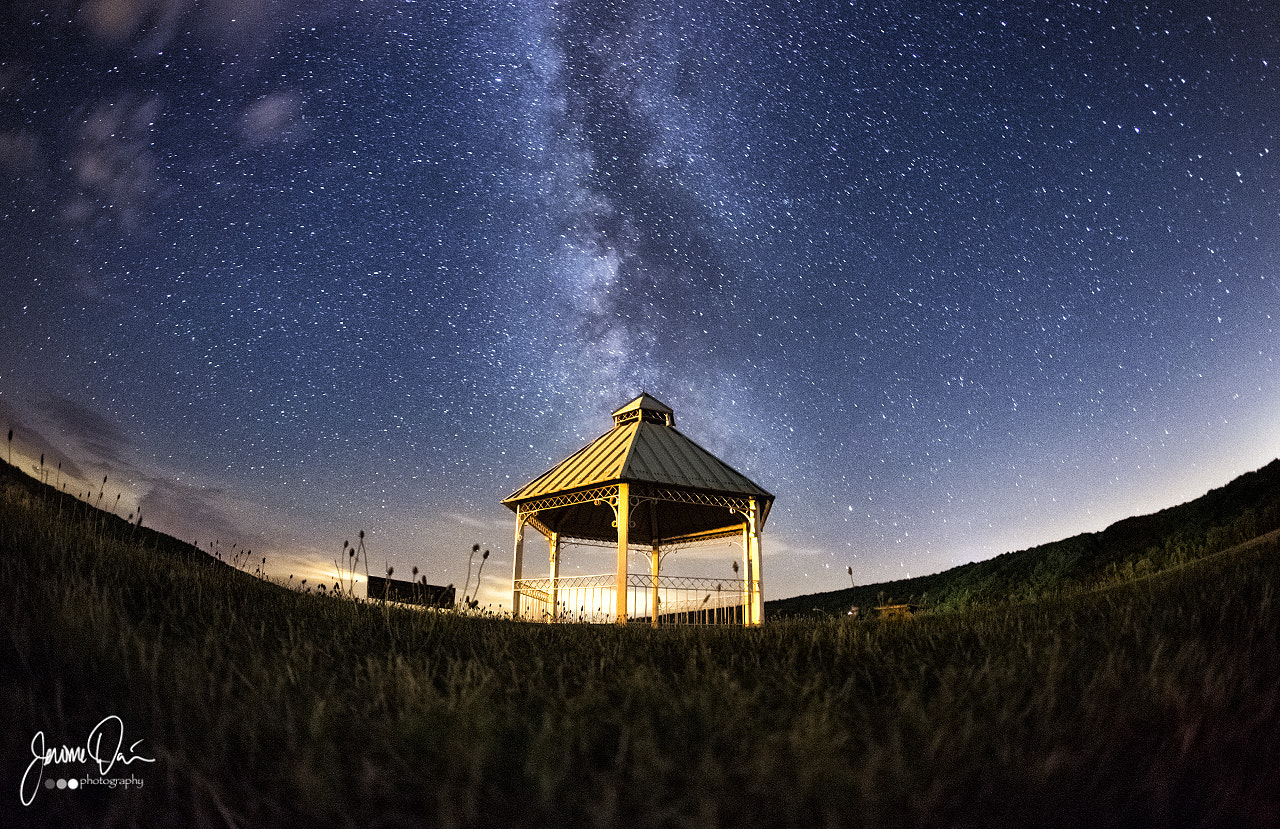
{"type": "Point", "coordinates": [1244, 509]}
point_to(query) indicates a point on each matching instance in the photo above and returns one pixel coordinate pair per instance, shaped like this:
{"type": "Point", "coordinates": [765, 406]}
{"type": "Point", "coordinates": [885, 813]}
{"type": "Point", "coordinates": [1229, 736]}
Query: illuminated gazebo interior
{"type": "Point", "coordinates": [642, 486]}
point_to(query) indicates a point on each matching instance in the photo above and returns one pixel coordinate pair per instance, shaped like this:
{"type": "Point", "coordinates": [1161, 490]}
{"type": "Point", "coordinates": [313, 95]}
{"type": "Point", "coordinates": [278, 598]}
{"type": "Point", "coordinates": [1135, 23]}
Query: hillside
{"type": "Point", "coordinates": [1246, 508]}
{"type": "Point", "coordinates": [16, 487]}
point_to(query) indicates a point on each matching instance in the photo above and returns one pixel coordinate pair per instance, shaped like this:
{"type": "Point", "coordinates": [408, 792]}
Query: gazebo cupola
{"type": "Point", "coordinates": [643, 485]}
{"type": "Point", "coordinates": [646, 408]}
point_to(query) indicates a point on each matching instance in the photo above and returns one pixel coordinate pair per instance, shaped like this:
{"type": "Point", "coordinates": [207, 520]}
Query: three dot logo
{"type": "Point", "coordinates": [62, 783]}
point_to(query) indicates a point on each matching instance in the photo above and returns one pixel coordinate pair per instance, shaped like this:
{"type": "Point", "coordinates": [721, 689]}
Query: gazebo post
{"type": "Point", "coordinates": [755, 571]}
{"type": "Point", "coordinates": [624, 519]}
{"type": "Point", "coordinates": [759, 578]}
{"type": "Point", "coordinates": [553, 541]}
{"type": "Point", "coordinates": [654, 560]}
{"type": "Point", "coordinates": [653, 570]}
{"type": "Point", "coordinates": [517, 566]}
{"type": "Point", "coordinates": [746, 571]}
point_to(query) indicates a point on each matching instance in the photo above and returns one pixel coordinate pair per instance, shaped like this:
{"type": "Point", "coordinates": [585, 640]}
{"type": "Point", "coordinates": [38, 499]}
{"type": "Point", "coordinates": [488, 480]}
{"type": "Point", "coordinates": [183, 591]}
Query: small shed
{"type": "Point", "coordinates": [643, 485]}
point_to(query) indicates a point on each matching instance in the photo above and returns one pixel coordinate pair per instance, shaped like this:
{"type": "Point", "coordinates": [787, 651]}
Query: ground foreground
{"type": "Point", "coordinates": [1154, 703]}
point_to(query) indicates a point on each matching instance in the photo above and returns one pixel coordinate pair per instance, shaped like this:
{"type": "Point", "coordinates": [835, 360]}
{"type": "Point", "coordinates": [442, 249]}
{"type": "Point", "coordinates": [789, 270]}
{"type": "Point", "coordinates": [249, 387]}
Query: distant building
{"type": "Point", "coordinates": [410, 592]}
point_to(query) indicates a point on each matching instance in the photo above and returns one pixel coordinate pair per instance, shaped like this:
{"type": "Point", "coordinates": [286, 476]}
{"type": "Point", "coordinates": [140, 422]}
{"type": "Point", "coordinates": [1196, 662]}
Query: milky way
{"type": "Point", "coordinates": [947, 280]}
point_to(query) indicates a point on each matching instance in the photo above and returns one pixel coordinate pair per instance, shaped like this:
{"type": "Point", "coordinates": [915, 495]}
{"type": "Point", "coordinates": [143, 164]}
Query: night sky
{"type": "Point", "coordinates": [948, 279]}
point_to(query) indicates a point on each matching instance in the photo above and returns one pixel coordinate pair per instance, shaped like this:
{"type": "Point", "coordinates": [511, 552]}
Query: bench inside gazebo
{"type": "Point", "coordinates": [643, 486]}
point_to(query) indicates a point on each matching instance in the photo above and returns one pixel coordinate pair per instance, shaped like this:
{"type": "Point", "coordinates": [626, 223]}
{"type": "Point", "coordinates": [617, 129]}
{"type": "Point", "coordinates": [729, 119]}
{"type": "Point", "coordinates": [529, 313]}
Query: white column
{"type": "Point", "coordinates": [516, 567]}
{"type": "Point", "coordinates": [653, 571]}
{"type": "Point", "coordinates": [756, 552]}
{"type": "Point", "coordinates": [624, 519]}
{"type": "Point", "coordinates": [654, 559]}
{"type": "Point", "coordinates": [746, 570]}
{"type": "Point", "coordinates": [553, 541]}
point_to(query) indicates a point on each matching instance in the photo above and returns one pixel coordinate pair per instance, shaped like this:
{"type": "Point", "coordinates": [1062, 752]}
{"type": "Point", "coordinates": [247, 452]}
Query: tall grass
{"type": "Point", "coordinates": [1155, 703]}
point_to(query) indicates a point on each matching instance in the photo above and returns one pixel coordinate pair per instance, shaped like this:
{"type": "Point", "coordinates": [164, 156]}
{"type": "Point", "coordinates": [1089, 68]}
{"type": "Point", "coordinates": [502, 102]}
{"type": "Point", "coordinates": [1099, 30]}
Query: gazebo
{"type": "Point", "coordinates": [642, 486]}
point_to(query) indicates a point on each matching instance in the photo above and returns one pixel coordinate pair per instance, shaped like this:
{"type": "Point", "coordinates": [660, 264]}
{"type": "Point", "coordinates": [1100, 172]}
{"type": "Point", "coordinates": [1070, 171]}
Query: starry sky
{"type": "Point", "coordinates": [948, 279]}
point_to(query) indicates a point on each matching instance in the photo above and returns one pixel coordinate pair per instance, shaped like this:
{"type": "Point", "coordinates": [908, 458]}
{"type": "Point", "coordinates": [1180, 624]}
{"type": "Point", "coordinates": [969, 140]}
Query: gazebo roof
{"type": "Point", "coordinates": [642, 447]}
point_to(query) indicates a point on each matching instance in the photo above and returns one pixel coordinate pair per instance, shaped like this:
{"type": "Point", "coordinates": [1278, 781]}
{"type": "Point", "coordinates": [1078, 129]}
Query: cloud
{"type": "Point", "coordinates": [151, 24]}
{"type": "Point", "coordinates": [247, 25]}
{"type": "Point", "coordinates": [100, 160]}
{"type": "Point", "coordinates": [115, 173]}
{"type": "Point", "coordinates": [67, 432]}
{"type": "Point", "coordinates": [90, 447]}
{"type": "Point", "coordinates": [21, 156]}
{"type": "Point", "coordinates": [273, 119]}
{"type": "Point", "coordinates": [26, 172]}
{"type": "Point", "coordinates": [195, 513]}
{"type": "Point", "coordinates": [88, 432]}
{"type": "Point", "coordinates": [76, 419]}
{"type": "Point", "coordinates": [470, 521]}
{"type": "Point", "coordinates": [30, 443]}
{"type": "Point", "coordinates": [148, 27]}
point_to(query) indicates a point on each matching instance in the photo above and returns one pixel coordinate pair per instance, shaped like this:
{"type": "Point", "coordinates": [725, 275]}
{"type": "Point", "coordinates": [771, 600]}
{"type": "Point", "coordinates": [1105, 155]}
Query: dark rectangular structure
{"type": "Point", "coordinates": [410, 592]}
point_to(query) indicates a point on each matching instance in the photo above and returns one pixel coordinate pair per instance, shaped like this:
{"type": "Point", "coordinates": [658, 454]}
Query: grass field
{"type": "Point", "coordinates": [1153, 702]}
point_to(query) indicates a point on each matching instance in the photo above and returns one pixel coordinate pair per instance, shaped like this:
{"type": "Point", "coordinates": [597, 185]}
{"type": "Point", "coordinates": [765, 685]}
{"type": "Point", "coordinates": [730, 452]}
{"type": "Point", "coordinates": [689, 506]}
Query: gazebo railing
{"type": "Point", "coordinates": [681, 600]}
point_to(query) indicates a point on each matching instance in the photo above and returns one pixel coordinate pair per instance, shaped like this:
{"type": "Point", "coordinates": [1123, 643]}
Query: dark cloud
{"type": "Point", "coordinates": [89, 436]}
{"type": "Point", "coordinates": [85, 424]}
{"type": "Point", "coordinates": [183, 510]}
{"type": "Point", "coordinates": [194, 513]}
{"type": "Point", "coordinates": [31, 442]}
